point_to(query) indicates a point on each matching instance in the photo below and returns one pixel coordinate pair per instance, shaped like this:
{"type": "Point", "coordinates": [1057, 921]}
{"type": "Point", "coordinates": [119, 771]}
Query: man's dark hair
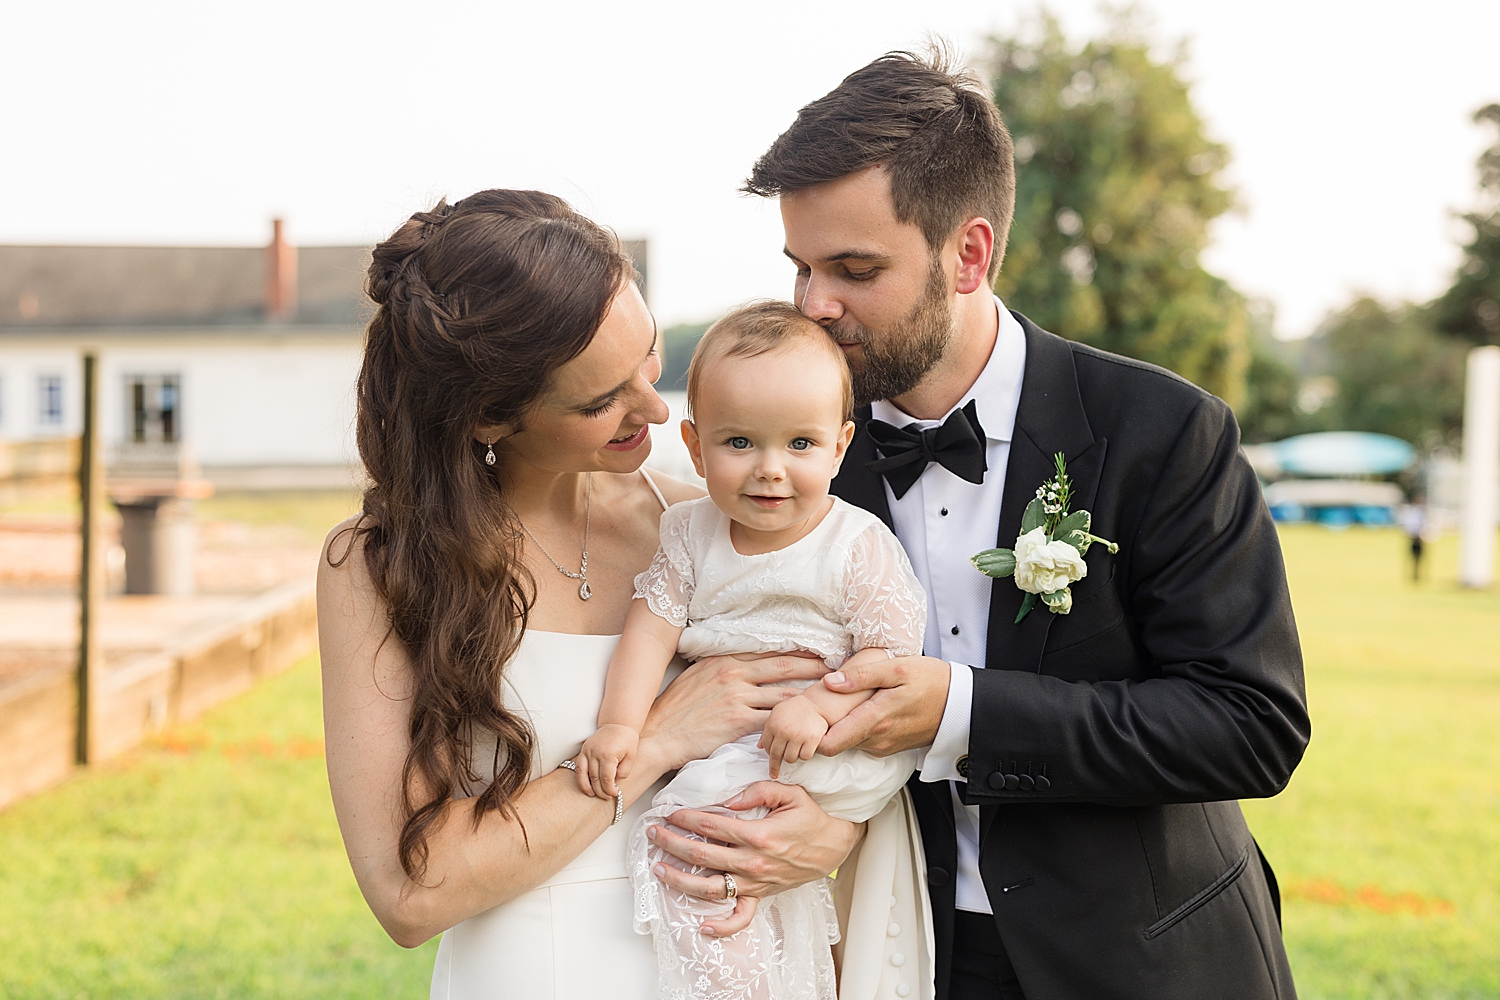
{"type": "Point", "coordinates": [934, 128]}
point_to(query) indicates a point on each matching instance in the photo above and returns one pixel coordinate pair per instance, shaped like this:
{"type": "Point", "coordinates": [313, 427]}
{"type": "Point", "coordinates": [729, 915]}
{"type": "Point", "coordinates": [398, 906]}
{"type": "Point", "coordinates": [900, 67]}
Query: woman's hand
{"type": "Point", "coordinates": [794, 844]}
{"type": "Point", "coordinates": [719, 699]}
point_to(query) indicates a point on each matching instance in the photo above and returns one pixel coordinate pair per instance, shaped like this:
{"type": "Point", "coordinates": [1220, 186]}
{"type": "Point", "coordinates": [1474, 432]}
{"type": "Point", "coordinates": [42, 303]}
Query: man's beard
{"type": "Point", "coordinates": [908, 350]}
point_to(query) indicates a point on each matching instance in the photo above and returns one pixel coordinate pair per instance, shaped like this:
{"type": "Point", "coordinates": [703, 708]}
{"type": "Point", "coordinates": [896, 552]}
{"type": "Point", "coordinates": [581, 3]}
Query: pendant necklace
{"type": "Point", "coordinates": [584, 591]}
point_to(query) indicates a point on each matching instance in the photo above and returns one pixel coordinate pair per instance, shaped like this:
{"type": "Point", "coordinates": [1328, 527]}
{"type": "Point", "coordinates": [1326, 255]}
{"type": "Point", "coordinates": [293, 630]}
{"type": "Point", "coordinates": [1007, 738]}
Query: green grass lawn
{"type": "Point", "coordinates": [206, 865]}
{"type": "Point", "coordinates": [1387, 841]}
{"type": "Point", "coordinates": [209, 864]}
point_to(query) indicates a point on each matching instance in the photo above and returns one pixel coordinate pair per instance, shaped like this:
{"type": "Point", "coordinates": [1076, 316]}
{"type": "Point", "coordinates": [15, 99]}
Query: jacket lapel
{"type": "Point", "coordinates": [857, 484]}
{"type": "Point", "coordinates": [1050, 419]}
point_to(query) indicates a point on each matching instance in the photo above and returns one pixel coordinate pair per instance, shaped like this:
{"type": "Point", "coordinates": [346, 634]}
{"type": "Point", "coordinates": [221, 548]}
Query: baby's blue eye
{"type": "Point", "coordinates": [739, 443]}
{"type": "Point", "coordinates": [801, 444]}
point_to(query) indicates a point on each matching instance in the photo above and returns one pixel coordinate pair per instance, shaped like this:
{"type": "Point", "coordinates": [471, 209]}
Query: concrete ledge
{"type": "Point", "coordinates": [146, 691]}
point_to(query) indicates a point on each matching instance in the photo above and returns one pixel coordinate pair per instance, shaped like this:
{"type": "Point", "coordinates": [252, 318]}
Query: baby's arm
{"type": "Point", "coordinates": [797, 725]}
{"type": "Point", "coordinates": [635, 672]}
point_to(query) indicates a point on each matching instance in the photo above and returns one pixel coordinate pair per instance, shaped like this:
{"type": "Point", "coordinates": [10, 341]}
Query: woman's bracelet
{"type": "Point", "coordinates": [572, 765]}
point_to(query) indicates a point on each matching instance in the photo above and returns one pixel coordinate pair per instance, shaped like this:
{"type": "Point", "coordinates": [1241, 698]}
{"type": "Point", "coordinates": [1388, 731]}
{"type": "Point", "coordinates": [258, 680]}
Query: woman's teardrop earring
{"type": "Point", "coordinates": [489, 455]}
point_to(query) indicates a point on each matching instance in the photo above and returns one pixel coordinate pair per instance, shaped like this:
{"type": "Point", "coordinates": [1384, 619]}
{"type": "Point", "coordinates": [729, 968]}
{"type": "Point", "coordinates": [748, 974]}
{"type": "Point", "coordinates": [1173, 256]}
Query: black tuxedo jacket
{"type": "Point", "coordinates": [1108, 746]}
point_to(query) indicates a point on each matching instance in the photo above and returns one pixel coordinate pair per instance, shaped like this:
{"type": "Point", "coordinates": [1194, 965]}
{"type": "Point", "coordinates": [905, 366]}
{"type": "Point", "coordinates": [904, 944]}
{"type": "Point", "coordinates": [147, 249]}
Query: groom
{"type": "Point", "coordinates": [1077, 800]}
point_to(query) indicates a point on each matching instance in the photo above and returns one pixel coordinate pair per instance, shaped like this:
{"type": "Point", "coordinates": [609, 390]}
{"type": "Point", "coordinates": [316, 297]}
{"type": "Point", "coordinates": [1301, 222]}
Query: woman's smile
{"type": "Point", "coordinates": [631, 441]}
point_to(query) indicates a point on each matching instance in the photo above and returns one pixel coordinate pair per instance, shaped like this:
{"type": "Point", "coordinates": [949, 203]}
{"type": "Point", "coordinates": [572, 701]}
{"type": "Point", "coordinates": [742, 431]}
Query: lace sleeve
{"type": "Point", "coordinates": [883, 604]}
{"type": "Point", "coordinates": [667, 584]}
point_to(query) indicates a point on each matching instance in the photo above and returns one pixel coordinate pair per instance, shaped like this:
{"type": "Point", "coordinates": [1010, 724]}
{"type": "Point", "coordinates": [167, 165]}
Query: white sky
{"type": "Point", "coordinates": [196, 123]}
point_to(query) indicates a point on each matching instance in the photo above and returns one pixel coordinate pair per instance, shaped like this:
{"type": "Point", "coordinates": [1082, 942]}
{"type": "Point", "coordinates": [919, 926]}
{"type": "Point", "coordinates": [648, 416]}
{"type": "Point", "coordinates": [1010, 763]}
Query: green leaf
{"type": "Point", "coordinates": [1060, 601]}
{"type": "Point", "coordinates": [1080, 540]}
{"type": "Point", "coordinates": [1026, 607]}
{"type": "Point", "coordinates": [1076, 521]}
{"type": "Point", "coordinates": [1034, 517]}
{"type": "Point", "coordinates": [995, 562]}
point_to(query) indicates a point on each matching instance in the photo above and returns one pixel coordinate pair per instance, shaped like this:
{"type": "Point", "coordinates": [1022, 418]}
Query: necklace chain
{"type": "Point", "coordinates": [584, 591]}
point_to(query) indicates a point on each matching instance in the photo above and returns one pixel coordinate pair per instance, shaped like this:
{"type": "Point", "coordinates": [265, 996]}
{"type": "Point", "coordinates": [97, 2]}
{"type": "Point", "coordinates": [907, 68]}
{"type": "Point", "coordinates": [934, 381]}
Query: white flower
{"type": "Point", "coordinates": [1043, 567]}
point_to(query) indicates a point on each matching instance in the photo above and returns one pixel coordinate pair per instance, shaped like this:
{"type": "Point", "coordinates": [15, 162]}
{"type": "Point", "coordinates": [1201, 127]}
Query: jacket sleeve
{"type": "Point", "coordinates": [1220, 710]}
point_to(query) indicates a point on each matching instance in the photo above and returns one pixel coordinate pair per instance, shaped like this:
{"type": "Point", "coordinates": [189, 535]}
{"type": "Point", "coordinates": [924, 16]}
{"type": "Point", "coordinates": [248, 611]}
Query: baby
{"type": "Point", "coordinates": [767, 562]}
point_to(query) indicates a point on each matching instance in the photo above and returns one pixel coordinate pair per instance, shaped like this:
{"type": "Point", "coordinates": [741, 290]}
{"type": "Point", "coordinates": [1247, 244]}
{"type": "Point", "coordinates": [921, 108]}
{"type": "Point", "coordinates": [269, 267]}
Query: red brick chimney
{"type": "Point", "coordinates": [281, 277]}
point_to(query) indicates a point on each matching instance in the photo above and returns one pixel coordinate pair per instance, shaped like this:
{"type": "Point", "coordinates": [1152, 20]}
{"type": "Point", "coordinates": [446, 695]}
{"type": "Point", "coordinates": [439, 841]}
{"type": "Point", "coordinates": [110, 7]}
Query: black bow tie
{"type": "Point", "coordinates": [957, 445]}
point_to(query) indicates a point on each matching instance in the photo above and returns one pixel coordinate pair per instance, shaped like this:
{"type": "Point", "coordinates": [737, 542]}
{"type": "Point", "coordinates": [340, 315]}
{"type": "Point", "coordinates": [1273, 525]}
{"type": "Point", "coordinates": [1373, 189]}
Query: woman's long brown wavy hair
{"type": "Point", "coordinates": [479, 303]}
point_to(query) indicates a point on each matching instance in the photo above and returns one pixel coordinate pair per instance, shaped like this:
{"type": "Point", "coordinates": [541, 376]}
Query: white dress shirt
{"type": "Point", "coordinates": [942, 521]}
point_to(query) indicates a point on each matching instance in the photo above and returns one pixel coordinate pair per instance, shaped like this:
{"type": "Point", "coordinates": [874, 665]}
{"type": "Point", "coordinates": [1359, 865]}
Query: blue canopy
{"type": "Point", "coordinates": [1343, 453]}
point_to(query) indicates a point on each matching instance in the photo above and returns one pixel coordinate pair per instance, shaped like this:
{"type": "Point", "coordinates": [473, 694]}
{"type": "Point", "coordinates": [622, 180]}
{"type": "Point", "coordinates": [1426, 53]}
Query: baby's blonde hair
{"type": "Point", "coordinates": [759, 328]}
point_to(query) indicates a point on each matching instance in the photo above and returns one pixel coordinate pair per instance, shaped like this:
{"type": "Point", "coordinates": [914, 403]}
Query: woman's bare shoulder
{"type": "Point", "coordinates": [342, 567]}
{"type": "Point", "coordinates": [675, 490]}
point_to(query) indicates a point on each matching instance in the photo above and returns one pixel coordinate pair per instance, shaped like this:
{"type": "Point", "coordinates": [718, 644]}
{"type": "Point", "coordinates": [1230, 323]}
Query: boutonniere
{"type": "Point", "coordinates": [1049, 552]}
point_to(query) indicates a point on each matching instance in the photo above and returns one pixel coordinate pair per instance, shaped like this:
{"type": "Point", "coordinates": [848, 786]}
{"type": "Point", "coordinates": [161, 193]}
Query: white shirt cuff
{"type": "Point", "coordinates": [952, 740]}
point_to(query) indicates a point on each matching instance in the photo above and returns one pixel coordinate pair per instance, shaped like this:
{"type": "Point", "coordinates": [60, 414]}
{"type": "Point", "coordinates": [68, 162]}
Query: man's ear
{"type": "Point", "coordinates": [841, 445]}
{"type": "Point", "coordinates": [976, 247]}
{"type": "Point", "coordinates": [694, 446]}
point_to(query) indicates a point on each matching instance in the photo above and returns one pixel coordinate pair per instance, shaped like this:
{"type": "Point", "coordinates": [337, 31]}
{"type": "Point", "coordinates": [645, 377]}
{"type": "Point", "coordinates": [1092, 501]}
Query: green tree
{"type": "Point", "coordinates": [1268, 410]}
{"type": "Point", "coordinates": [1470, 309]}
{"type": "Point", "coordinates": [1117, 184]}
{"type": "Point", "coordinates": [1395, 374]}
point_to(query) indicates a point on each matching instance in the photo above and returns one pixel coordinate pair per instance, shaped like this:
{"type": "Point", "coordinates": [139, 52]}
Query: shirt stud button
{"type": "Point", "coordinates": [955, 630]}
{"type": "Point", "coordinates": [944, 512]}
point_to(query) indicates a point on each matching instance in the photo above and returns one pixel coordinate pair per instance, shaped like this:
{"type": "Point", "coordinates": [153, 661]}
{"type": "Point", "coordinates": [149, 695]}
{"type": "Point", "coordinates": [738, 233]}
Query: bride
{"type": "Point", "coordinates": [468, 614]}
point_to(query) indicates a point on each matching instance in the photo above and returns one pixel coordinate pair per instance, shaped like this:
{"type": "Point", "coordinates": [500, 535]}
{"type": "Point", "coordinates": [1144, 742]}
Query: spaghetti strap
{"type": "Point", "coordinates": [649, 482]}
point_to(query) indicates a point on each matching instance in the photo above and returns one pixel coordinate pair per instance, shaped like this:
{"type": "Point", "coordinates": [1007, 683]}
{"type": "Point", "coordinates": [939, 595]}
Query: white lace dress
{"type": "Point", "coordinates": [846, 586]}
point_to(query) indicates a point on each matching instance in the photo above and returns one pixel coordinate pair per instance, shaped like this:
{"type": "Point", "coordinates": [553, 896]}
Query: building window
{"type": "Point", "coordinates": [155, 403]}
{"type": "Point", "coordinates": [49, 400]}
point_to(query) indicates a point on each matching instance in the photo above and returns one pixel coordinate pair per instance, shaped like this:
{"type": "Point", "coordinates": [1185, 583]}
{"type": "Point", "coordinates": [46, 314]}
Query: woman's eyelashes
{"type": "Point", "coordinates": [601, 409]}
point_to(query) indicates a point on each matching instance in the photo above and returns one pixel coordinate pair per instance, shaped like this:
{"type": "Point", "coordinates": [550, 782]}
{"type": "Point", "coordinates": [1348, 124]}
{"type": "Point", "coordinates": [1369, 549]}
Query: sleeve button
{"type": "Point", "coordinates": [1012, 782]}
{"type": "Point", "coordinates": [1042, 784]}
{"type": "Point", "coordinates": [1026, 782]}
{"type": "Point", "coordinates": [996, 781]}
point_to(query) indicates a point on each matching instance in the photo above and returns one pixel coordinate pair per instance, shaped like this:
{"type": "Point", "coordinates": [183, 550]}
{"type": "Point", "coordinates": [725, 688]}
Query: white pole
{"type": "Point", "coordinates": [1481, 497]}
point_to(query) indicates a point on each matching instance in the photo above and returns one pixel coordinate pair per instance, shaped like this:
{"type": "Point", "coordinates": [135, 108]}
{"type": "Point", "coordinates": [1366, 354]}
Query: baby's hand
{"type": "Point", "coordinates": [605, 758]}
{"type": "Point", "coordinates": [792, 732]}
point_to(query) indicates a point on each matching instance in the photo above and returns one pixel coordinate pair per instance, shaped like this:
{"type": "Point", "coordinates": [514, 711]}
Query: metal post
{"type": "Point", "coordinates": [91, 567]}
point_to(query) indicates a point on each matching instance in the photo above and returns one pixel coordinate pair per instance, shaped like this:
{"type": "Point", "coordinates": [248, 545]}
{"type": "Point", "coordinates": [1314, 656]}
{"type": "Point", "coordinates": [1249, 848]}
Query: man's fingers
{"type": "Point", "coordinates": [744, 912]}
{"type": "Point", "coordinates": [852, 730]}
{"type": "Point", "coordinates": [854, 676]}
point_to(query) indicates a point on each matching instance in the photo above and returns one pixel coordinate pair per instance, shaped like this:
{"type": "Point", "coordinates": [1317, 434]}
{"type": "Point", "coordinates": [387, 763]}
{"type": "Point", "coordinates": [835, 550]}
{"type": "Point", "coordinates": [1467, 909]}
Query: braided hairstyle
{"type": "Point", "coordinates": [479, 303]}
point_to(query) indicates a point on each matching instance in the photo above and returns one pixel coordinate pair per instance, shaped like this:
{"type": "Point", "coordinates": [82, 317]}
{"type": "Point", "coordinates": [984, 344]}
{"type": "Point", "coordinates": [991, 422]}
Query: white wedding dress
{"type": "Point", "coordinates": [569, 939]}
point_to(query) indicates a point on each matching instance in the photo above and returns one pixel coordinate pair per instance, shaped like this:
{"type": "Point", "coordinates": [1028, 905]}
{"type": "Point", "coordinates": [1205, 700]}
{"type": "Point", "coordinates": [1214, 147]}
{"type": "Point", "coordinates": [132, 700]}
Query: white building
{"type": "Point", "coordinates": [245, 355]}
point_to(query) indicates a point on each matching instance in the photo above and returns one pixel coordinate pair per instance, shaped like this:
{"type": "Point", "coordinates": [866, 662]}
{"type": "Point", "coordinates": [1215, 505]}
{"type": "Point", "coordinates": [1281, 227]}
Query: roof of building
{"type": "Point", "coordinates": [127, 286]}
{"type": "Point", "coordinates": [50, 286]}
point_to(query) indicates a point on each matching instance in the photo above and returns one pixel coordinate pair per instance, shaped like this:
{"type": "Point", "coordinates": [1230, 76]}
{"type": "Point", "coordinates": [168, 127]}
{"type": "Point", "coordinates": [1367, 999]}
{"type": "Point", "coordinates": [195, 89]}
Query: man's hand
{"type": "Point", "coordinates": [794, 844]}
{"type": "Point", "coordinates": [903, 716]}
{"type": "Point", "coordinates": [792, 733]}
